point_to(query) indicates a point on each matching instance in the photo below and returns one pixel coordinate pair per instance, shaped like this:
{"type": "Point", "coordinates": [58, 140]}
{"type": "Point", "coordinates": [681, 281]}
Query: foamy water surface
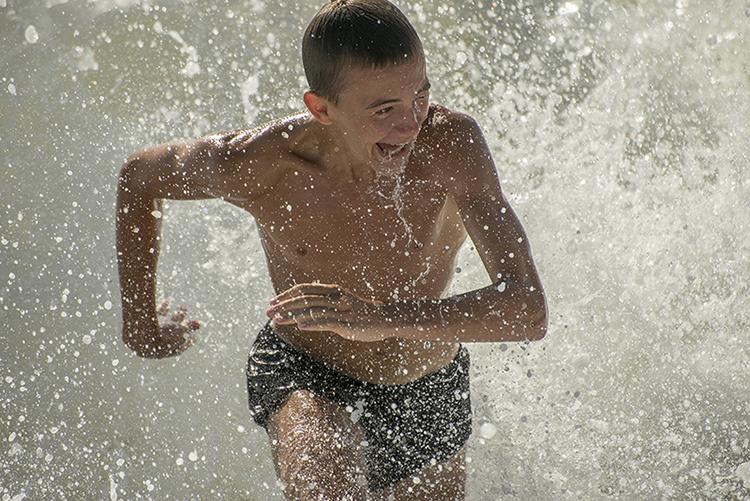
{"type": "Point", "coordinates": [620, 132]}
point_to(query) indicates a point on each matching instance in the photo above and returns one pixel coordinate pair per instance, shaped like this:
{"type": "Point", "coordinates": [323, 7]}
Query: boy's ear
{"type": "Point", "coordinates": [318, 106]}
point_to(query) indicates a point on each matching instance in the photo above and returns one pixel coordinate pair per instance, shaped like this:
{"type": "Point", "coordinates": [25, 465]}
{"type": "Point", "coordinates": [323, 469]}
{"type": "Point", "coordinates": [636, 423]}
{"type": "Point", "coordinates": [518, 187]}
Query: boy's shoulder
{"type": "Point", "coordinates": [442, 123]}
{"type": "Point", "coordinates": [451, 149]}
{"type": "Point", "coordinates": [450, 134]}
{"type": "Point", "coordinates": [445, 125]}
{"type": "Point", "coordinates": [242, 164]}
{"type": "Point", "coordinates": [442, 114]}
{"type": "Point", "coordinates": [263, 138]}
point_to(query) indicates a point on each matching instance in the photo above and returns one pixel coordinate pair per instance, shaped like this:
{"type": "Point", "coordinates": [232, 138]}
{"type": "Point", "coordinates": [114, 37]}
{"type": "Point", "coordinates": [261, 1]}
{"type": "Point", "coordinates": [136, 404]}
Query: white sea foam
{"type": "Point", "coordinates": [622, 146]}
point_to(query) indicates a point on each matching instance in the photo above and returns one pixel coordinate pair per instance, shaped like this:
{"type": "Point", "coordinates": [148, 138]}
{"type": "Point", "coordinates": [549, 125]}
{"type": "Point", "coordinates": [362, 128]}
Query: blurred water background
{"type": "Point", "coordinates": [620, 131]}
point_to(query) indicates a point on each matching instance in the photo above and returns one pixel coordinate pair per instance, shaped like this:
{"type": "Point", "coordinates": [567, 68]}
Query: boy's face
{"type": "Point", "coordinates": [380, 111]}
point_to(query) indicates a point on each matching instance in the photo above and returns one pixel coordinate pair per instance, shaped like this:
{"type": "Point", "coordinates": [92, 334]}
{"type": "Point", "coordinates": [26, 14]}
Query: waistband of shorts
{"type": "Point", "coordinates": [461, 359]}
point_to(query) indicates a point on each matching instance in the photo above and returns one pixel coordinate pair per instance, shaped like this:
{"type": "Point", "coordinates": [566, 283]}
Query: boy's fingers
{"type": "Point", "coordinates": [163, 308]}
{"type": "Point", "coordinates": [305, 290]}
{"type": "Point", "coordinates": [179, 315]}
{"type": "Point", "coordinates": [318, 325]}
{"type": "Point", "coordinates": [296, 306]}
{"type": "Point", "coordinates": [187, 343]}
{"type": "Point", "coordinates": [323, 317]}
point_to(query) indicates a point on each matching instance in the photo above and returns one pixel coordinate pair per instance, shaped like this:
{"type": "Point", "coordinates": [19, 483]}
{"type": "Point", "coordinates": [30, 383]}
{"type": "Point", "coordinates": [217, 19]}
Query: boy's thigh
{"type": "Point", "coordinates": [317, 448]}
{"type": "Point", "coordinates": [318, 451]}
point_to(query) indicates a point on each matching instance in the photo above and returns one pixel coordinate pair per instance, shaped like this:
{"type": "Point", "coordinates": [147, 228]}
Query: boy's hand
{"type": "Point", "coordinates": [320, 307]}
{"type": "Point", "coordinates": [174, 335]}
{"type": "Point", "coordinates": [176, 331]}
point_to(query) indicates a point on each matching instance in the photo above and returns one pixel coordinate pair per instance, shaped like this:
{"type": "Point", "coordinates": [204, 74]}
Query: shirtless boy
{"type": "Point", "coordinates": [362, 203]}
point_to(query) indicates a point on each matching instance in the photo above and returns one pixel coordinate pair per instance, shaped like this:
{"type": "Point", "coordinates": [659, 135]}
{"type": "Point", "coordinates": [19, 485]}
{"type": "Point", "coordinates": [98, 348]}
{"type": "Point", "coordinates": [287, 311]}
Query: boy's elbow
{"type": "Point", "coordinates": [133, 171]}
{"type": "Point", "coordinates": [144, 169]}
{"type": "Point", "coordinates": [539, 330]}
{"type": "Point", "coordinates": [538, 322]}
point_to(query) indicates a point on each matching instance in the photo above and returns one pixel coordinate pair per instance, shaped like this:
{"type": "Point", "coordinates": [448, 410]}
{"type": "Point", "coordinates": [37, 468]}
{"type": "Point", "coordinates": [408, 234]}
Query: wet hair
{"type": "Point", "coordinates": [355, 33]}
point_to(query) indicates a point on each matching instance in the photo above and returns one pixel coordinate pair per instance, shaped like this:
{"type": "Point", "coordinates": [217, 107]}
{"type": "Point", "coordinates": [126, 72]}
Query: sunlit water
{"type": "Point", "coordinates": [620, 130]}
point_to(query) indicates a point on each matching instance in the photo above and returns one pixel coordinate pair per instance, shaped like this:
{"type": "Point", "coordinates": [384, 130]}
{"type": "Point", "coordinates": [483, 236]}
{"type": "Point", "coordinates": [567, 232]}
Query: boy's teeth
{"type": "Point", "coordinates": [391, 149]}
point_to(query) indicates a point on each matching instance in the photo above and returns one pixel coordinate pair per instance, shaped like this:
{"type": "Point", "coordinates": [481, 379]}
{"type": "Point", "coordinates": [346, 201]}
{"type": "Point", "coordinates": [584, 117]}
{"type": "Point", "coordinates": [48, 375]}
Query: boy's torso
{"type": "Point", "coordinates": [380, 238]}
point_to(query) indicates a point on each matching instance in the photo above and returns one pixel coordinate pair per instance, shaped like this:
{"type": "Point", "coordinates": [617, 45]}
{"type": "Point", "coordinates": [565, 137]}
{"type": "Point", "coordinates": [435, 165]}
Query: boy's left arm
{"type": "Point", "coordinates": [514, 307]}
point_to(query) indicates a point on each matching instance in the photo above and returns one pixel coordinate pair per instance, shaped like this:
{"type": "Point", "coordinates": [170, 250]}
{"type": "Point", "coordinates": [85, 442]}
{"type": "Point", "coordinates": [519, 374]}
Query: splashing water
{"type": "Point", "coordinates": [391, 189]}
{"type": "Point", "coordinates": [620, 134]}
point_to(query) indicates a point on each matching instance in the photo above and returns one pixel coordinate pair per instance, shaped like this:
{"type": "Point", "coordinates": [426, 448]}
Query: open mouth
{"type": "Point", "coordinates": [393, 151]}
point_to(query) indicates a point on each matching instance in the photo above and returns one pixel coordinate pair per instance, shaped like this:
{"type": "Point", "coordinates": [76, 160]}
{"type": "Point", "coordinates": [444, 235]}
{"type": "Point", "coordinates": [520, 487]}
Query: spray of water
{"type": "Point", "coordinates": [620, 134]}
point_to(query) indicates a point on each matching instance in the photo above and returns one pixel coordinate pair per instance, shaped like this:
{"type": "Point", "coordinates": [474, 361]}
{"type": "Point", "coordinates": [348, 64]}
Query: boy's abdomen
{"type": "Point", "coordinates": [392, 361]}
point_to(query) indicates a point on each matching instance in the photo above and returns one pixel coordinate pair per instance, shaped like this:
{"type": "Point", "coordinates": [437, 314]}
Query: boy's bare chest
{"type": "Point", "coordinates": [317, 215]}
{"type": "Point", "coordinates": [356, 228]}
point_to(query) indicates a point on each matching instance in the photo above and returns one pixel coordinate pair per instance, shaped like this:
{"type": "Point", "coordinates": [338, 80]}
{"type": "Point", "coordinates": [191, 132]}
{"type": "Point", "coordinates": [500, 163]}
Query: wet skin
{"type": "Point", "coordinates": [361, 207]}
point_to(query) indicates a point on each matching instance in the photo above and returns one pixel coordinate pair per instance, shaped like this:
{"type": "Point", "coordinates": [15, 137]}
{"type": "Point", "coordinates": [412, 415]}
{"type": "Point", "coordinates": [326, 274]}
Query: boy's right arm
{"type": "Point", "coordinates": [183, 170]}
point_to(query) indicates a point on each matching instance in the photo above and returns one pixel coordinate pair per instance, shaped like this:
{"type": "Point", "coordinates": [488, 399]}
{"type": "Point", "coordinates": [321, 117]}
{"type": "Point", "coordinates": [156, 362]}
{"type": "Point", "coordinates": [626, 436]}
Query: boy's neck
{"type": "Point", "coordinates": [330, 150]}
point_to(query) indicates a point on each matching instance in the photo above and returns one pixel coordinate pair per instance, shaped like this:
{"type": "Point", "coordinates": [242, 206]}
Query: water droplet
{"type": "Point", "coordinates": [31, 34]}
{"type": "Point", "coordinates": [487, 430]}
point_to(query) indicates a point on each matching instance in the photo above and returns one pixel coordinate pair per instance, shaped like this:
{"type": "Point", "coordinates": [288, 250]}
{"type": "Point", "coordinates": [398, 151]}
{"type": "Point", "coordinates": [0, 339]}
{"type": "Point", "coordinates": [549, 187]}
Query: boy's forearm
{"type": "Point", "coordinates": [497, 313]}
{"type": "Point", "coordinates": [138, 229]}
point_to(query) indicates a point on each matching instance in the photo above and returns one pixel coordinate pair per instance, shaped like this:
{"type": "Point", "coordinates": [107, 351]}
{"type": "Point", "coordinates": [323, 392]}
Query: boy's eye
{"type": "Point", "coordinates": [383, 111]}
{"type": "Point", "coordinates": [421, 100]}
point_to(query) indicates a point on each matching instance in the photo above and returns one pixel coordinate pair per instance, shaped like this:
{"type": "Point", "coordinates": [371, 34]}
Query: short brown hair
{"type": "Point", "coordinates": [347, 33]}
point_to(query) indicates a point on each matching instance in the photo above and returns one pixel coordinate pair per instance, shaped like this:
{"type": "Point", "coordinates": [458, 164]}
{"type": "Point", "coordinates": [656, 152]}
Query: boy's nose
{"type": "Point", "coordinates": [409, 124]}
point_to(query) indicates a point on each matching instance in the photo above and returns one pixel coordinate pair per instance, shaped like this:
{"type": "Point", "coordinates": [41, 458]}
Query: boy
{"type": "Point", "coordinates": [362, 203]}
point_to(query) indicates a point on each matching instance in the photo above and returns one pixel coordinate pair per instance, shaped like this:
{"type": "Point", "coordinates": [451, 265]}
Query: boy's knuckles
{"type": "Point", "coordinates": [346, 301]}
